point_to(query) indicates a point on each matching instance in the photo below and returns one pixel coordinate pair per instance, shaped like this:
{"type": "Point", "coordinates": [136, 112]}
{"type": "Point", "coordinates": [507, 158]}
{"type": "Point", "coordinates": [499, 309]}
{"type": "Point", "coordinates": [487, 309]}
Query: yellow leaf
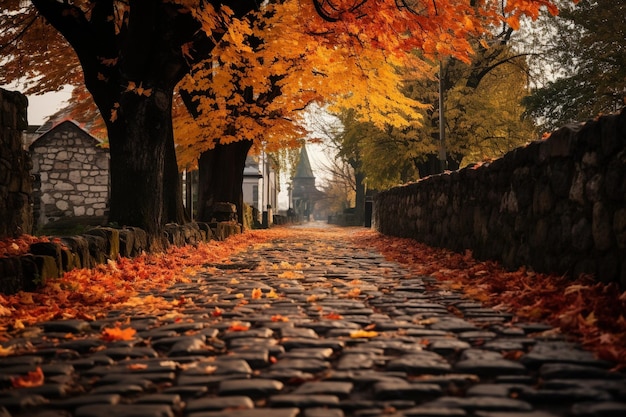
{"type": "Point", "coordinates": [6, 351]}
{"type": "Point", "coordinates": [363, 334]}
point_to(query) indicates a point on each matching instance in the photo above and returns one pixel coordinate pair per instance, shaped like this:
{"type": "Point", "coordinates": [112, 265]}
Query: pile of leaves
{"type": "Point", "coordinates": [18, 246]}
{"type": "Point", "coordinates": [88, 293]}
{"type": "Point", "coordinates": [591, 312]}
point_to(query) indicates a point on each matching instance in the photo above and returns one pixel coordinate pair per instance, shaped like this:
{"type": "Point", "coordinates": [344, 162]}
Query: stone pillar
{"type": "Point", "coordinates": [16, 216]}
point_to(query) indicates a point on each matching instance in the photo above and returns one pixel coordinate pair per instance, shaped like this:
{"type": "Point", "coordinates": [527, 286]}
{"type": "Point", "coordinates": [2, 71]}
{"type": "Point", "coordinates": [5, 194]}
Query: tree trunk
{"type": "Point", "coordinates": [220, 172]}
{"type": "Point", "coordinates": [137, 174]}
{"type": "Point", "coordinates": [359, 200]}
{"type": "Point", "coordinates": [173, 188]}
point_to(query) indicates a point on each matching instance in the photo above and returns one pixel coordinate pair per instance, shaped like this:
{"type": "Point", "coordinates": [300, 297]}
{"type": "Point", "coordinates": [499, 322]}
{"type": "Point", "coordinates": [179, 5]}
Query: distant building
{"type": "Point", "coordinates": [260, 185]}
{"type": "Point", "coordinates": [71, 172]}
{"type": "Point", "coordinates": [251, 187]}
{"type": "Point", "coordinates": [304, 194]}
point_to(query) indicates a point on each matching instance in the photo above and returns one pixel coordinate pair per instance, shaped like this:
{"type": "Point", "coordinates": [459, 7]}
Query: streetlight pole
{"type": "Point", "coordinates": [443, 158]}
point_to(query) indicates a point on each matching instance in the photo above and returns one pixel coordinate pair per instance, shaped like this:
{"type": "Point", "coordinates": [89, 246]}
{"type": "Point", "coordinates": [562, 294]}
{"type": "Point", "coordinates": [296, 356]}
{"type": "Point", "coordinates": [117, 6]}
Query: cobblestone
{"type": "Point", "coordinates": [337, 332]}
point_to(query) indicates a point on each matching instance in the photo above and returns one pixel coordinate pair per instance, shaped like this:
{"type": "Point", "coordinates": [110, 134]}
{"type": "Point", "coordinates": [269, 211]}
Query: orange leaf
{"type": "Point", "coordinates": [238, 326]}
{"type": "Point", "coordinates": [278, 317]}
{"type": "Point", "coordinates": [33, 379]}
{"type": "Point", "coordinates": [257, 293]}
{"type": "Point", "coordinates": [217, 312]}
{"type": "Point", "coordinates": [353, 293]}
{"type": "Point", "coordinates": [363, 334]}
{"type": "Point", "coordinates": [6, 351]}
{"type": "Point", "coordinates": [117, 333]}
{"type": "Point", "coordinates": [137, 366]}
{"type": "Point", "coordinates": [333, 316]}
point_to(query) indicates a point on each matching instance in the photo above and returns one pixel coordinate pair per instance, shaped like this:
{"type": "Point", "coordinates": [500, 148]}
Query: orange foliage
{"type": "Point", "coordinates": [20, 245]}
{"type": "Point", "coordinates": [86, 293]}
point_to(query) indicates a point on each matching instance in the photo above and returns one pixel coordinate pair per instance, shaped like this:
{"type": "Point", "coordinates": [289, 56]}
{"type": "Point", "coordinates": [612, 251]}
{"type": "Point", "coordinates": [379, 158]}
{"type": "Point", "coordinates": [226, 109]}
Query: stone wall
{"type": "Point", "coordinates": [15, 164]}
{"type": "Point", "coordinates": [47, 261]}
{"type": "Point", "coordinates": [557, 205]}
{"type": "Point", "coordinates": [71, 175]}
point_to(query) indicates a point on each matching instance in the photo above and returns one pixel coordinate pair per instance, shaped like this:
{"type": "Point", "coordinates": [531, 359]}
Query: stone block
{"type": "Point", "coordinates": [227, 229]}
{"type": "Point", "coordinates": [98, 249]}
{"type": "Point", "coordinates": [127, 242]}
{"type": "Point", "coordinates": [191, 233]}
{"type": "Point", "coordinates": [111, 237]}
{"type": "Point", "coordinates": [174, 234]}
{"type": "Point", "coordinates": [79, 246]}
{"type": "Point", "coordinates": [206, 229]}
{"type": "Point", "coordinates": [223, 212]}
{"type": "Point", "coordinates": [36, 270]}
{"type": "Point", "coordinates": [11, 276]}
{"type": "Point", "coordinates": [50, 249]}
{"type": "Point", "coordinates": [69, 260]}
{"type": "Point", "coordinates": [140, 240]}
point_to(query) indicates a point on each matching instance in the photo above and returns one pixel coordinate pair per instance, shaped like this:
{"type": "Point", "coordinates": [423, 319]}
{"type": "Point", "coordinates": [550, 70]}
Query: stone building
{"type": "Point", "coordinates": [71, 171]}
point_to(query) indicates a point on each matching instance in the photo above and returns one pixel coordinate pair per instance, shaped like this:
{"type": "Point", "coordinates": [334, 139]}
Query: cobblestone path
{"type": "Point", "coordinates": [312, 307]}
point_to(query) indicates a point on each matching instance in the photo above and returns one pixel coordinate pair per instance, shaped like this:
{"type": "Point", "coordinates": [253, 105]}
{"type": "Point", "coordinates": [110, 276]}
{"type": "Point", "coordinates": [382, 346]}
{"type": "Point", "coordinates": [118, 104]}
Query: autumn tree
{"type": "Point", "coordinates": [240, 97]}
{"type": "Point", "coordinates": [579, 62]}
{"type": "Point", "coordinates": [132, 55]}
{"type": "Point", "coordinates": [251, 94]}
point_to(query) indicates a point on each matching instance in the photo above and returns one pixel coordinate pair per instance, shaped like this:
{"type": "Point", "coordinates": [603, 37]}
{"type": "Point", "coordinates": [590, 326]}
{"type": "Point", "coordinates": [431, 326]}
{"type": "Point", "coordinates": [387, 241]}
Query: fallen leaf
{"type": "Point", "coordinates": [357, 334]}
{"type": "Point", "coordinates": [333, 316]}
{"type": "Point", "coordinates": [137, 366]}
{"type": "Point", "coordinates": [238, 326]}
{"type": "Point", "coordinates": [32, 379]}
{"type": "Point", "coordinates": [6, 351]}
{"type": "Point", "coordinates": [117, 333]}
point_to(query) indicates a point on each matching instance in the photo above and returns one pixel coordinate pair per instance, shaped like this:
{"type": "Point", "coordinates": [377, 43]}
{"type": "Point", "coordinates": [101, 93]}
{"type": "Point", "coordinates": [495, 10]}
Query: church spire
{"type": "Point", "coordinates": [303, 169]}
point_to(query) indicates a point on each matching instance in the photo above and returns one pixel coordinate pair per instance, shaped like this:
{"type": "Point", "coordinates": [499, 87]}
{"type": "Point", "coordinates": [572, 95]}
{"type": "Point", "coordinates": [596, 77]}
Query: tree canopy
{"type": "Point", "coordinates": [581, 54]}
{"type": "Point", "coordinates": [132, 54]}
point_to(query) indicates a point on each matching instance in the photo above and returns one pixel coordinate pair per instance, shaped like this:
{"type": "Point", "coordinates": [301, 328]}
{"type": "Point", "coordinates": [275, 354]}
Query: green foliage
{"type": "Point", "coordinates": [482, 122]}
{"type": "Point", "coordinates": [587, 44]}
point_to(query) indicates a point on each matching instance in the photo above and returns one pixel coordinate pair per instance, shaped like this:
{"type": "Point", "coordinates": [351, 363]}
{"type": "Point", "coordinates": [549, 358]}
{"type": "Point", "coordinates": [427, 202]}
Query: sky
{"type": "Point", "coordinates": [42, 106]}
